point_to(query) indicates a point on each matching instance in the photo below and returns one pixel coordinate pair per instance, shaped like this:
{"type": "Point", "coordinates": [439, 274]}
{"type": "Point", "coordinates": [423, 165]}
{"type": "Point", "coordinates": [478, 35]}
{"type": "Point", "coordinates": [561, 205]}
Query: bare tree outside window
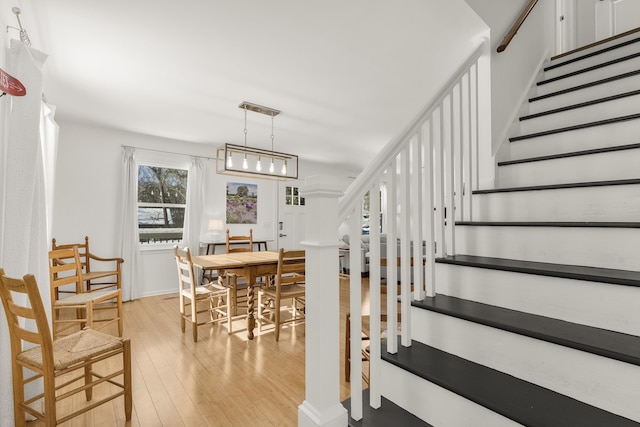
{"type": "Point", "coordinates": [162, 198]}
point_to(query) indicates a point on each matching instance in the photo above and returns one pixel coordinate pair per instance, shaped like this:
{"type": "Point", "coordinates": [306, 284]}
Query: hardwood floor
{"type": "Point", "coordinates": [222, 380]}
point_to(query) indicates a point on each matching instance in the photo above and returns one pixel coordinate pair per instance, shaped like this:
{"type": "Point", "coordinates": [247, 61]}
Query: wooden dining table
{"type": "Point", "coordinates": [249, 265]}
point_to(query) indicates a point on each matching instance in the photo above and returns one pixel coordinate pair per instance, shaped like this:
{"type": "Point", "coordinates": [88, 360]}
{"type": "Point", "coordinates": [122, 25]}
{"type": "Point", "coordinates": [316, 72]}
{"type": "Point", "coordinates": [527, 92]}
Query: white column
{"type": "Point", "coordinates": [322, 405]}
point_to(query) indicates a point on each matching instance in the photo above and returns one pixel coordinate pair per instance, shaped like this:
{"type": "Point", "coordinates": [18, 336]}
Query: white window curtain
{"type": "Point", "coordinates": [195, 206]}
{"type": "Point", "coordinates": [25, 169]}
{"type": "Point", "coordinates": [129, 248]}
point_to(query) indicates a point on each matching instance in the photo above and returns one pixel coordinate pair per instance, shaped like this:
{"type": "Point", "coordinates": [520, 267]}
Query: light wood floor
{"type": "Point", "coordinates": [222, 380]}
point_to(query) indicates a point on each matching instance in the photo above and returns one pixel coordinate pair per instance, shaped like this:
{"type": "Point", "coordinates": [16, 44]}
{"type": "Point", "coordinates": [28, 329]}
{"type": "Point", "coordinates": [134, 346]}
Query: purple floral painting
{"type": "Point", "coordinates": [242, 203]}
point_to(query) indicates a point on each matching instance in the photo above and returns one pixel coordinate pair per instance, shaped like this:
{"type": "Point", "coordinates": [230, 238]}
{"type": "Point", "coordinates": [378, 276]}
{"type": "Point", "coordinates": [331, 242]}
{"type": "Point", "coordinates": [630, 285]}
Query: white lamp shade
{"type": "Point", "coordinates": [215, 225]}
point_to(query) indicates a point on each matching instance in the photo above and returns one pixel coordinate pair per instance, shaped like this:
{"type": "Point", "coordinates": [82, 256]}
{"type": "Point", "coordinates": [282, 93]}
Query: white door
{"type": "Point", "coordinates": [565, 26]}
{"type": "Point", "coordinates": [616, 16]}
{"type": "Point", "coordinates": [291, 215]}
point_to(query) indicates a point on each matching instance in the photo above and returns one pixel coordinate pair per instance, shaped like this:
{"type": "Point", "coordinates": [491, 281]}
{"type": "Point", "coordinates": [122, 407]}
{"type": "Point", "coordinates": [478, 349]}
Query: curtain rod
{"type": "Point", "coordinates": [168, 152]}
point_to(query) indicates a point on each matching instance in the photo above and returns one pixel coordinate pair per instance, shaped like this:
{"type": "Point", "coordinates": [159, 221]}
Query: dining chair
{"type": "Point", "coordinates": [66, 272]}
{"type": "Point", "coordinates": [191, 296]}
{"type": "Point", "coordinates": [229, 278]}
{"type": "Point", "coordinates": [88, 356]}
{"type": "Point", "coordinates": [289, 285]}
{"type": "Point", "coordinates": [365, 351]}
{"type": "Point", "coordinates": [97, 272]}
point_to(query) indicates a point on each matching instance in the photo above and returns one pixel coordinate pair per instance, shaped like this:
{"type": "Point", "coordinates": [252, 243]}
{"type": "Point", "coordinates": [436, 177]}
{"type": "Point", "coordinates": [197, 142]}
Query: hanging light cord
{"type": "Point", "coordinates": [272, 137]}
{"type": "Point", "coordinates": [245, 128]}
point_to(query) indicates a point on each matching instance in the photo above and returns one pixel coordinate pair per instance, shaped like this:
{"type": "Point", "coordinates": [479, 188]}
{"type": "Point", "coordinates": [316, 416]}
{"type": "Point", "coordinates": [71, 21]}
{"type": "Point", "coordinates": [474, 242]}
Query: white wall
{"type": "Point", "coordinates": [512, 70]}
{"type": "Point", "coordinates": [88, 188]}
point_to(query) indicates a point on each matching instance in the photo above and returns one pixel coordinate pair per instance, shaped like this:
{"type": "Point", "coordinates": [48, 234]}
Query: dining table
{"type": "Point", "coordinates": [249, 265]}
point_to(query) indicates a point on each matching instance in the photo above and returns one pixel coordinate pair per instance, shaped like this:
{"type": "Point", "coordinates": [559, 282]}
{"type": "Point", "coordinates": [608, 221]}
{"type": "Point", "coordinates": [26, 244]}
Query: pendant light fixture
{"type": "Point", "coordinates": [252, 157]}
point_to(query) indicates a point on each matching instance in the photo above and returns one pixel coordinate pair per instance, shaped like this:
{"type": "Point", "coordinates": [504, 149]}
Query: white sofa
{"type": "Point", "coordinates": [364, 261]}
{"type": "Point", "coordinates": [383, 254]}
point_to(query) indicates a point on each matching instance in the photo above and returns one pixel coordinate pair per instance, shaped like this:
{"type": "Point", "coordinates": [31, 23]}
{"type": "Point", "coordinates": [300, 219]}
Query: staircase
{"type": "Point", "coordinates": [536, 317]}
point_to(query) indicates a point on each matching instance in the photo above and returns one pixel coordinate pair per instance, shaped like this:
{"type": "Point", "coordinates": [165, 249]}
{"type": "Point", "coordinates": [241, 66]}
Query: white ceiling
{"type": "Point", "coordinates": [348, 75]}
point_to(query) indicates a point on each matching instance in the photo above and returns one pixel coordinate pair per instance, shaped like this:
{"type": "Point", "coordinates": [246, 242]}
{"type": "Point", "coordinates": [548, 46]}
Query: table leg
{"type": "Point", "coordinates": [251, 321]}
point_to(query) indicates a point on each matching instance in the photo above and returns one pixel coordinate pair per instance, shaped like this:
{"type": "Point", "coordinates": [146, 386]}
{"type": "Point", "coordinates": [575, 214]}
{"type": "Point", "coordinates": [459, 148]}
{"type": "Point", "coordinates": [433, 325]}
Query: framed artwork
{"type": "Point", "coordinates": [242, 203]}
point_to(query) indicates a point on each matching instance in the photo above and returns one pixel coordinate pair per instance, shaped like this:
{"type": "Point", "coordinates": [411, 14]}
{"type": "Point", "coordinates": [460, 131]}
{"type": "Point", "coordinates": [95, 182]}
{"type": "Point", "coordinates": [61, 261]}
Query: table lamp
{"type": "Point", "coordinates": [215, 227]}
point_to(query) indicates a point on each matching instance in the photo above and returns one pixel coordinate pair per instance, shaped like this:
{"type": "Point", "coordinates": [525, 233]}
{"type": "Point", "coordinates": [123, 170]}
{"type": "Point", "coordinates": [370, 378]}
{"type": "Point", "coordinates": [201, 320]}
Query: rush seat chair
{"type": "Point", "coordinates": [91, 358]}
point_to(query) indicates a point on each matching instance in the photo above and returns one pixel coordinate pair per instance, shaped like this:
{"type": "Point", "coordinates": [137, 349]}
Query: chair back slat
{"type": "Point", "coordinates": [67, 273]}
{"type": "Point", "coordinates": [33, 311]}
{"type": "Point", "coordinates": [291, 267]}
{"type": "Point", "coordinates": [233, 240]}
{"type": "Point", "coordinates": [185, 267]}
{"type": "Point", "coordinates": [83, 252]}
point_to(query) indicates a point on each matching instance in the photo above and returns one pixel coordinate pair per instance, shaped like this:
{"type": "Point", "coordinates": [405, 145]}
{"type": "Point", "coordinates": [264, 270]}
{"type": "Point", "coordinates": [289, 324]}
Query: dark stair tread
{"type": "Point", "coordinates": [632, 181]}
{"type": "Point", "coordinates": [389, 414]}
{"type": "Point", "coordinates": [570, 154]}
{"type": "Point", "coordinates": [603, 42]}
{"type": "Point", "coordinates": [590, 68]}
{"type": "Point", "coordinates": [521, 401]}
{"type": "Point", "coordinates": [576, 272]}
{"type": "Point", "coordinates": [602, 342]}
{"type": "Point", "coordinates": [586, 85]}
{"type": "Point", "coordinates": [576, 127]}
{"type": "Point", "coordinates": [591, 54]}
{"type": "Point", "coordinates": [568, 224]}
{"type": "Point", "coordinates": [581, 105]}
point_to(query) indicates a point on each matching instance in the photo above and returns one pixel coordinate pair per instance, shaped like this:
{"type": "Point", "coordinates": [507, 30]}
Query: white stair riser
{"type": "Point", "coordinates": [620, 133]}
{"type": "Point", "coordinates": [589, 246]}
{"type": "Point", "coordinates": [589, 76]}
{"type": "Point", "coordinates": [601, 111]}
{"type": "Point", "coordinates": [606, 203]}
{"type": "Point", "coordinates": [562, 369]}
{"type": "Point", "coordinates": [592, 49]}
{"type": "Point", "coordinates": [434, 404]}
{"type": "Point", "coordinates": [601, 305]}
{"type": "Point", "coordinates": [587, 168]}
{"type": "Point", "coordinates": [591, 61]}
{"type": "Point", "coordinates": [587, 94]}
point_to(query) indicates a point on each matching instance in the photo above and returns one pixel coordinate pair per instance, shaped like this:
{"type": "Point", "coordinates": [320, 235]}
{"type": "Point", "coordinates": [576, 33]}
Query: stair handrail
{"type": "Point", "coordinates": [426, 134]}
{"type": "Point", "coordinates": [516, 26]}
{"type": "Point", "coordinates": [361, 184]}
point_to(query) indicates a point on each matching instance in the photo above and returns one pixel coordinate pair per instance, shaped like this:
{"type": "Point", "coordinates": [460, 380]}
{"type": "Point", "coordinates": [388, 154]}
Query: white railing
{"type": "Point", "coordinates": [425, 178]}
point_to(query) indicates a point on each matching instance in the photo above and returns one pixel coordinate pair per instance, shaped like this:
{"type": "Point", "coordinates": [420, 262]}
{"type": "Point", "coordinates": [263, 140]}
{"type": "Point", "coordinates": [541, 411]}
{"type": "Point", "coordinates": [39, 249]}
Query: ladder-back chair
{"type": "Point", "coordinates": [289, 284]}
{"type": "Point", "coordinates": [229, 278]}
{"type": "Point", "coordinates": [97, 272]}
{"type": "Point", "coordinates": [215, 297]}
{"type": "Point", "coordinates": [65, 271]}
{"type": "Point", "coordinates": [60, 363]}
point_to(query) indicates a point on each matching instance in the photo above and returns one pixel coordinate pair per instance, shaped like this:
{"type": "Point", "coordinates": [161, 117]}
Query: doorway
{"type": "Point", "coordinates": [291, 215]}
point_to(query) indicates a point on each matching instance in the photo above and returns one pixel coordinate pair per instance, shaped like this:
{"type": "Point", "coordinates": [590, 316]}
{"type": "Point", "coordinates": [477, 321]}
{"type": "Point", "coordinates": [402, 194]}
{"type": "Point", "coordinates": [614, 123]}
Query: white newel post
{"type": "Point", "coordinates": [322, 405]}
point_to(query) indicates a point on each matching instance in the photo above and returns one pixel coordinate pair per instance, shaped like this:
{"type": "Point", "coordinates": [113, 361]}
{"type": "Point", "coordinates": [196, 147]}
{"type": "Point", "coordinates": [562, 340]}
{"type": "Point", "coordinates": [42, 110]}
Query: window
{"type": "Point", "coordinates": [366, 208]}
{"type": "Point", "coordinates": [162, 201]}
{"type": "Point", "coordinates": [293, 198]}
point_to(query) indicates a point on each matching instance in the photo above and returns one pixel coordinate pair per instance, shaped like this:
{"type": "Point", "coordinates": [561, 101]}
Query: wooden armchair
{"type": "Point", "coordinates": [65, 269]}
{"type": "Point", "coordinates": [62, 362]}
{"type": "Point", "coordinates": [289, 284]}
{"type": "Point", "coordinates": [215, 297]}
{"type": "Point", "coordinates": [97, 271]}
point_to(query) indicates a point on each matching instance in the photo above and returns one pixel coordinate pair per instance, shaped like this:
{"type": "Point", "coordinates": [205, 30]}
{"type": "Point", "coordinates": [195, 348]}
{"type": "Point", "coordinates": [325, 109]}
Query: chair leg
{"type": "Point", "coordinates": [182, 311]}
{"type": "Point", "coordinates": [18, 396]}
{"type": "Point", "coordinates": [278, 318]}
{"type": "Point", "coordinates": [120, 317]}
{"type": "Point", "coordinates": [87, 380]}
{"type": "Point", "coordinates": [126, 364]}
{"type": "Point", "coordinates": [50, 413]}
{"type": "Point", "coordinates": [89, 312]}
{"type": "Point", "coordinates": [229, 316]}
{"type": "Point", "coordinates": [259, 316]}
{"type": "Point", "coordinates": [194, 319]}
